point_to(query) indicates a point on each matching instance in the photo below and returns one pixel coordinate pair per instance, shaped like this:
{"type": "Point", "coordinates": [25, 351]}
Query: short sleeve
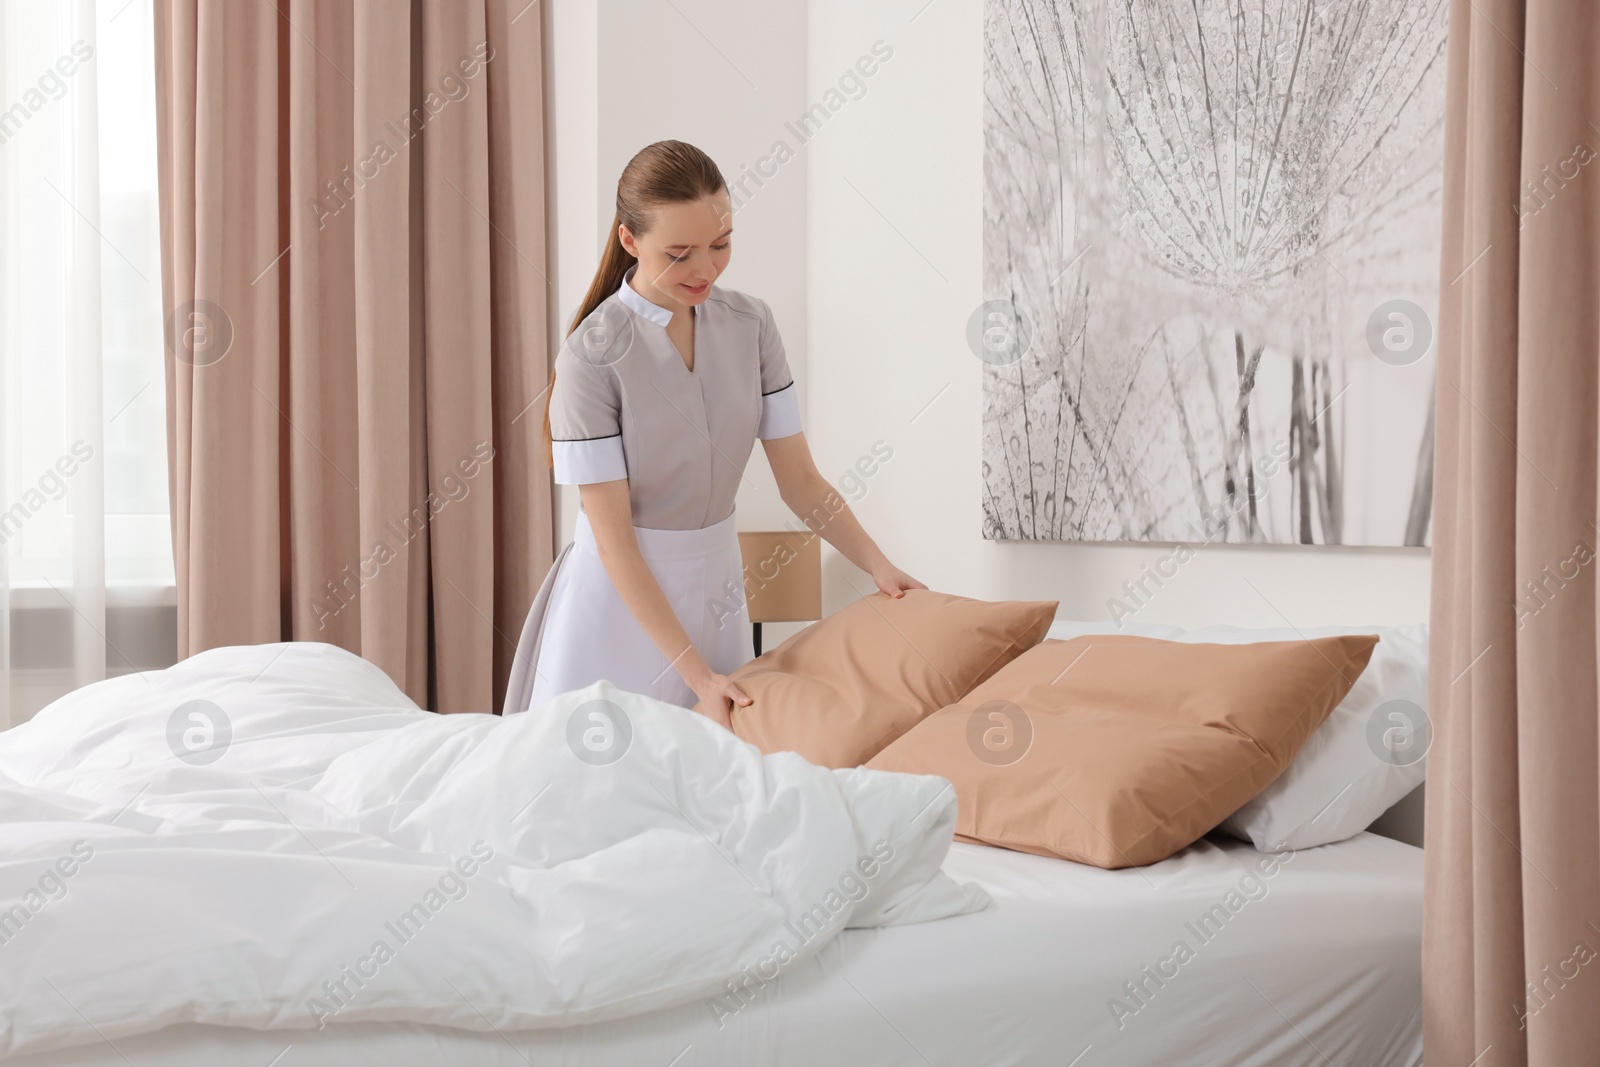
{"type": "Point", "coordinates": [780, 398]}
{"type": "Point", "coordinates": [585, 422]}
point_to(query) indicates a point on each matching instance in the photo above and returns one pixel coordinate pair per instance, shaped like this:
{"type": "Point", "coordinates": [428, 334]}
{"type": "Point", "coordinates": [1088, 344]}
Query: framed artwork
{"type": "Point", "coordinates": [1211, 270]}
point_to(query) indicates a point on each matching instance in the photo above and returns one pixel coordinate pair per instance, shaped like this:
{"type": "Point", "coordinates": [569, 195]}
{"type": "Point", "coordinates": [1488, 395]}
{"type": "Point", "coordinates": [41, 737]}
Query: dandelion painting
{"type": "Point", "coordinates": [1211, 248]}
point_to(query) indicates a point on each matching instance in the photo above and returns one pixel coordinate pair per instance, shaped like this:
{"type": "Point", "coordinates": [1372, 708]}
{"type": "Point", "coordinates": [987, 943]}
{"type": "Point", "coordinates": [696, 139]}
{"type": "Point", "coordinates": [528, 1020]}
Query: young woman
{"type": "Point", "coordinates": [660, 392]}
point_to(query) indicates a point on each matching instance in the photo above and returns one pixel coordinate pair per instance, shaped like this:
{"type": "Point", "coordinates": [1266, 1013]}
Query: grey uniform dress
{"type": "Point", "coordinates": [624, 405]}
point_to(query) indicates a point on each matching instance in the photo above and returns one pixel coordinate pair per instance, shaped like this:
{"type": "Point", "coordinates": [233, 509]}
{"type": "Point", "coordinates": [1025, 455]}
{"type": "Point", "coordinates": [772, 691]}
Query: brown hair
{"type": "Point", "coordinates": [667, 172]}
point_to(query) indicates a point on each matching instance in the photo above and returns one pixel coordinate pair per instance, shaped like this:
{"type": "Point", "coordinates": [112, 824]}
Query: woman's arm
{"type": "Point", "coordinates": [819, 506]}
{"type": "Point", "coordinates": [611, 517]}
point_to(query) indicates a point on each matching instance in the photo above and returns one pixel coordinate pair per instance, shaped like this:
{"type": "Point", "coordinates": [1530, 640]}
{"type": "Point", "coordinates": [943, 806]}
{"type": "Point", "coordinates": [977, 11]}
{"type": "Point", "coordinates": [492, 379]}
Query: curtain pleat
{"type": "Point", "coordinates": [1511, 932]}
{"type": "Point", "coordinates": [456, 308]}
{"type": "Point", "coordinates": [518, 328]}
{"type": "Point", "coordinates": [334, 186]}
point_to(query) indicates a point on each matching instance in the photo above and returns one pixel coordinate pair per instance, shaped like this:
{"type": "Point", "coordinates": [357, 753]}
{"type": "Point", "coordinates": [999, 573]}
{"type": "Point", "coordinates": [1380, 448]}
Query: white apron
{"type": "Point", "coordinates": [579, 631]}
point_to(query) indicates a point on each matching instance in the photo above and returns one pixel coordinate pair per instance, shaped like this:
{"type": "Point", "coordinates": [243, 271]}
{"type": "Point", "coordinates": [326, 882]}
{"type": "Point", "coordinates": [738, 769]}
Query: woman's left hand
{"type": "Point", "coordinates": [893, 582]}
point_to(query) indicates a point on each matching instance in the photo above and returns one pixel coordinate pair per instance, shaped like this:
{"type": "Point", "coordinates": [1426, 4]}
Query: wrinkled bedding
{"type": "Point", "coordinates": [275, 837]}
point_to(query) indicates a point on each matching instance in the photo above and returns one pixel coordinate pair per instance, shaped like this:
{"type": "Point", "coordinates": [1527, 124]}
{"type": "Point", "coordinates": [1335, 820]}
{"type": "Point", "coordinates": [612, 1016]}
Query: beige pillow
{"type": "Point", "coordinates": [844, 687]}
{"type": "Point", "coordinates": [1118, 751]}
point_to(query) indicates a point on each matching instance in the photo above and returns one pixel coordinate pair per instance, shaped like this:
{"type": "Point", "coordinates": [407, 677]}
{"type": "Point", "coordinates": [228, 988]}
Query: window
{"type": "Point", "coordinates": [83, 458]}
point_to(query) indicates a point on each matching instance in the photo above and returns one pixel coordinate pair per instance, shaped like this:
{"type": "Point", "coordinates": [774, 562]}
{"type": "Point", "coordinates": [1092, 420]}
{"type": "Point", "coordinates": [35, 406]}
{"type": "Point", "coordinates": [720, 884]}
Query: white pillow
{"type": "Point", "coordinates": [1369, 753]}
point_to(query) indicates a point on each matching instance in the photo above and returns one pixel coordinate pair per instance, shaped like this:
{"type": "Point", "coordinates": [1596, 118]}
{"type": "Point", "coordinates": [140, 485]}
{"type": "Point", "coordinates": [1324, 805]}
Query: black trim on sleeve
{"type": "Point", "coordinates": [780, 389]}
{"type": "Point", "coordinates": [580, 440]}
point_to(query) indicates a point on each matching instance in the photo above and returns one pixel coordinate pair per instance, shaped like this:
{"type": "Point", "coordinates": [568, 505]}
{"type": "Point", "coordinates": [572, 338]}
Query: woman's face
{"type": "Point", "coordinates": [686, 248]}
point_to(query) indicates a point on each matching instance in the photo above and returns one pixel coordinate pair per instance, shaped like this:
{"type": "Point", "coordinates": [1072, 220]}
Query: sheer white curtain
{"type": "Point", "coordinates": [85, 543]}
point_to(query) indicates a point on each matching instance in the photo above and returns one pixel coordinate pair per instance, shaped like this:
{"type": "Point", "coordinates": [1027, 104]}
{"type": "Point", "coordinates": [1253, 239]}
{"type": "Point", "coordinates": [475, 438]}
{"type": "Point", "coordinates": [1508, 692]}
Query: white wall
{"type": "Point", "coordinates": [868, 247]}
{"type": "Point", "coordinates": [895, 250]}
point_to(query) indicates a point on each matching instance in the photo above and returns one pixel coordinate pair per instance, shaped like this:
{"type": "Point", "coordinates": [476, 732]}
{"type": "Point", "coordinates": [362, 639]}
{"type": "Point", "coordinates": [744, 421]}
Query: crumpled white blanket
{"type": "Point", "coordinates": [276, 837]}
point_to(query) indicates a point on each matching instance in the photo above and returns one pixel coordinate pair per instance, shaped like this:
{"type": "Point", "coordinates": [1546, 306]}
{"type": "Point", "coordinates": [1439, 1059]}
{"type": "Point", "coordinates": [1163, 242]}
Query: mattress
{"type": "Point", "coordinates": [1210, 957]}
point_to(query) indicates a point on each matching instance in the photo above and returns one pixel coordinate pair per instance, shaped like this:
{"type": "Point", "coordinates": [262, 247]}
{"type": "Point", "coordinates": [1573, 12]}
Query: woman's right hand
{"type": "Point", "coordinates": [716, 692]}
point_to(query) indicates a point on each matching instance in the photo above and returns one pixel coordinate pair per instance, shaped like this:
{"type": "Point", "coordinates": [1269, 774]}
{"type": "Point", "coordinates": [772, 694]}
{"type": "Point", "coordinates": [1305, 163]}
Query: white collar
{"type": "Point", "coordinates": [639, 305]}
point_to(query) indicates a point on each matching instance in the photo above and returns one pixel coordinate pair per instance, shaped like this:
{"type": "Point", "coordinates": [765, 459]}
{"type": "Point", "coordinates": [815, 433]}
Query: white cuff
{"type": "Point", "coordinates": [780, 413]}
{"type": "Point", "coordinates": [599, 459]}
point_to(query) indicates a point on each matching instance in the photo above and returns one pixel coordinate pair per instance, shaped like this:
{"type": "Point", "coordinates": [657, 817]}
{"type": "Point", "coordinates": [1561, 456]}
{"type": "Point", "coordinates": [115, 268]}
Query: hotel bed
{"type": "Point", "coordinates": [202, 900]}
{"type": "Point", "coordinates": [1318, 962]}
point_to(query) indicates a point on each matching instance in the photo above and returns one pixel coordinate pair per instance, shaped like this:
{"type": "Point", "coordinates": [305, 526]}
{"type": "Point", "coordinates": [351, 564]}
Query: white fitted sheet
{"type": "Point", "coordinates": [1325, 966]}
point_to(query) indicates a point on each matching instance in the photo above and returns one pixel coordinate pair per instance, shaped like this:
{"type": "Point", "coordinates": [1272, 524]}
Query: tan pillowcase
{"type": "Point", "coordinates": [842, 688]}
{"type": "Point", "coordinates": [1118, 751]}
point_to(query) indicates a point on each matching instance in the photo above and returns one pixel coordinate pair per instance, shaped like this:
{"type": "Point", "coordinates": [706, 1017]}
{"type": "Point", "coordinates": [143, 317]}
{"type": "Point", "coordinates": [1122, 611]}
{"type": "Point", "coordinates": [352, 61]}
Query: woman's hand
{"type": "Point", "coordinates": [715, 692]}
{"type": "Point", "coordinates": [893, 581]}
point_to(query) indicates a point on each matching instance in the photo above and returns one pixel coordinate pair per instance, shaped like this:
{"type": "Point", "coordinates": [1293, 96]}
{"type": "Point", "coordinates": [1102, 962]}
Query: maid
{"type": "Point", "coordinates": [660, 392]}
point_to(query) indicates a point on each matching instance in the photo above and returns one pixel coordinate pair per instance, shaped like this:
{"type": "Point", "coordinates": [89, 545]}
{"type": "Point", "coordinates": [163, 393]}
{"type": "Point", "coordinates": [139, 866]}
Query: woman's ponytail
{"type": "Point", "coordinates": [614, 264]}
{"type": "Point", "coordinates": [667, 172]}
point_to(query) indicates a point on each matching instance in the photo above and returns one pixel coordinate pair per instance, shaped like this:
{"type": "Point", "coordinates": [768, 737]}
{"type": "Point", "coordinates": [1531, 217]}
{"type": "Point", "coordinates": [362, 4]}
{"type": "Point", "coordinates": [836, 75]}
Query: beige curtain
{"type": "Point", "coordinates": [353, 244]}
{"type": "Point", "coordinates": [1512, 918]}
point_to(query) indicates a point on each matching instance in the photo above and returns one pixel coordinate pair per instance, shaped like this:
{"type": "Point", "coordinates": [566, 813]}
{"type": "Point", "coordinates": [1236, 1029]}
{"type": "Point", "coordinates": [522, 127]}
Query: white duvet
{"type": "Point", "coordinates": [276, 837]}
